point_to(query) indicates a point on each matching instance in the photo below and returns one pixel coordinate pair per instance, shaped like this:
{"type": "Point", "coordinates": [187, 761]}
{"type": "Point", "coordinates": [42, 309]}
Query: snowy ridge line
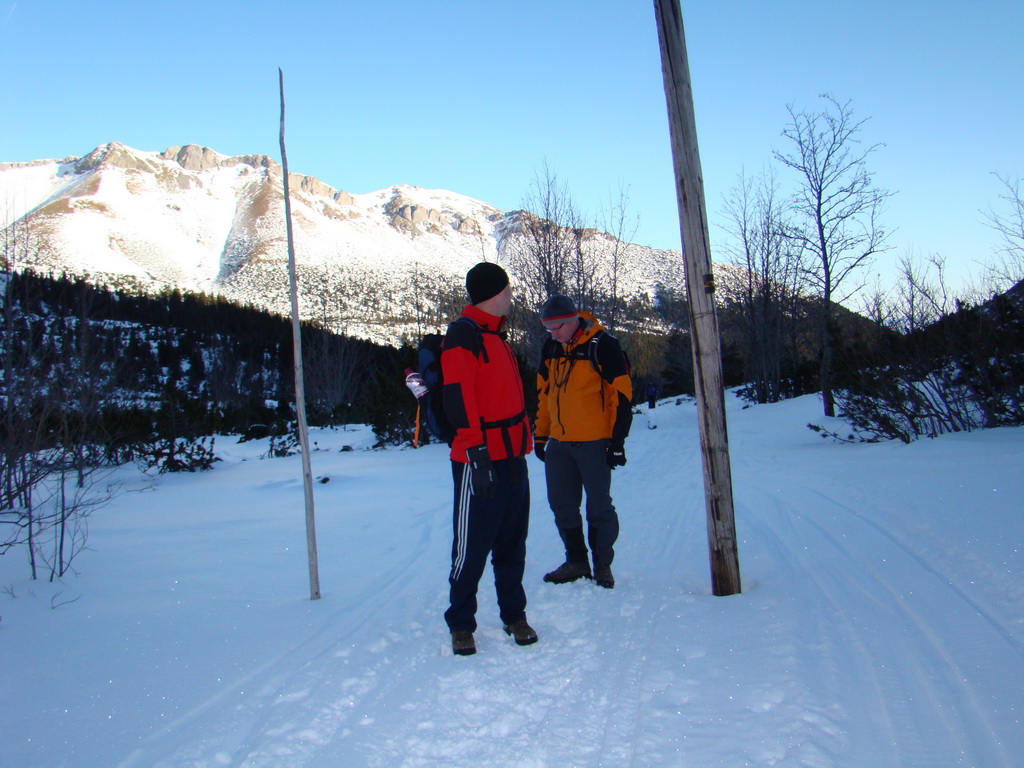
{"type": "Point", "coordinates": [194, 220]}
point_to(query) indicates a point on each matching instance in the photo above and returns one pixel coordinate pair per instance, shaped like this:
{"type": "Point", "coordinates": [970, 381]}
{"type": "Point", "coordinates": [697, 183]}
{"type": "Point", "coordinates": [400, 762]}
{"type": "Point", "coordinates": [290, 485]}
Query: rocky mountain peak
{"type": "Point", "coordinates": [193, 219]}
{"type": "Point", "coordinates": [115, 155]}
{"type": "Point", "coordinates": [192, 157]}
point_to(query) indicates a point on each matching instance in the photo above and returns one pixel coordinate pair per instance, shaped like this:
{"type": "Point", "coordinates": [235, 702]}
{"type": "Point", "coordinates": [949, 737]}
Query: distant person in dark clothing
{"type": "Point", "coordinates": [483, 398]}
{"type": "Point", "coordinates": [652, 398]}
{"type": "Point", "coordinates": [583, 417]}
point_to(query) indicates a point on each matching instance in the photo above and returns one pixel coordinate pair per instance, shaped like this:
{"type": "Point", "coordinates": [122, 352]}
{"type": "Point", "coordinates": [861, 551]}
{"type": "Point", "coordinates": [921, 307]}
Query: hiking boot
{"type": "Point", "coordinates": [463, 643]}
{"type": "Point", "coordinates": [603, 576]}
{"type": "Point", "coordinates": [522, 632]}
{"type": "Point", "coordinates": [567, 572]}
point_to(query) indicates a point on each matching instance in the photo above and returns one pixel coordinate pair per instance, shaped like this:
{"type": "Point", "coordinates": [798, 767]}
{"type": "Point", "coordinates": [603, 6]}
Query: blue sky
{"type": "Point", "coordinates": [476, 96]}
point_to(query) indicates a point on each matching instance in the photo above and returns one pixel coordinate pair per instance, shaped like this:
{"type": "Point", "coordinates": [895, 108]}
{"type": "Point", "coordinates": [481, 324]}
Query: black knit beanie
{"type": "Point", "coordinates": [484, 281]}
{"type": "Point", "coordinates": [558, 309]}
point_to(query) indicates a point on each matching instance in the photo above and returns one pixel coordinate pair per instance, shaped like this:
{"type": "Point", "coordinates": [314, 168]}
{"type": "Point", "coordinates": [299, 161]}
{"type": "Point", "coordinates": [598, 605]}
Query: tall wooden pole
{"type": "Point", "coordinates": [700, 294]}
{"type": "Point", "coordinates": [300, 390]}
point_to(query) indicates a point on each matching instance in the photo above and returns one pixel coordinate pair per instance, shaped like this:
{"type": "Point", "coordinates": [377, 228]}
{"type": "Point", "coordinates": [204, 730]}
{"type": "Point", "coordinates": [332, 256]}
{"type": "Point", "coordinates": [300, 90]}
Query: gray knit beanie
{"type": "Point", "coordinates": [557, 310]}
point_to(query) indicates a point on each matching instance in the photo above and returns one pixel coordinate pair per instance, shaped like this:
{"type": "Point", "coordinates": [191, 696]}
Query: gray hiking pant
{"type": "Point", "coordinates": [571, 468]}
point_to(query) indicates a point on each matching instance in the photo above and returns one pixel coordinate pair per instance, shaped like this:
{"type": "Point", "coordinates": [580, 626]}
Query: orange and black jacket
{"type": "Point", "coordinates": [483, 391]}
{"type": "Point", "coordinates": [583, 387]}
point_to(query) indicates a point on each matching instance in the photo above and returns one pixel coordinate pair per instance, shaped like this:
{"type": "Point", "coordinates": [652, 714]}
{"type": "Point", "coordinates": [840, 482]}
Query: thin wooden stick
{"type": "Point", "coordinates": [300, 390]}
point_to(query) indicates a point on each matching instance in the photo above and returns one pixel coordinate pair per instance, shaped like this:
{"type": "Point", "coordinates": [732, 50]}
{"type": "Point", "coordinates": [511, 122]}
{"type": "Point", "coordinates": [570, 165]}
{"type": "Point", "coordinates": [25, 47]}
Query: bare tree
{"type": "Point", "coordinates": [546, 250]}
{"type": "Point", "coordinates": [583, 282]}
{"type": "Point", "coordinates": [435, 301]}
{"type": "Point", "coordinates": [540, 246]}
{"type": "Point", "coordinates": [937, 365]}
{"type": "Point", "coordinates": [416, 283]}
{"type": "Point", "coordinates": [334, 367]}
{"type": "Point", "coordinates": [622, 226]}
{"type": "Point", "coordinates": [319, 287]}
{"type": "Point", "coordinates": [26, 411]}
{"type": "Point", "coordinates": [770, 265]}
{"type": "Point", "coordinates": [51, 380]}
{"type": "Point", "coordinates": [838, 207]}
{"type": "Point", "coordinates": [80, 385]}
{"type": "Point", "coordinates": [1009, 269]}
{"type": "Point", "coordinates": [922, 294]}
{"type": "Point", "coordinates": [24, 414]}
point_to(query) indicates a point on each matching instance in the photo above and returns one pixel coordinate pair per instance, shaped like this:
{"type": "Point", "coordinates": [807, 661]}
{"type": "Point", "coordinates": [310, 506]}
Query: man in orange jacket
{"type": "Point", "coordinates": [483, 398]}
{"type": "Point", "coordinates": [583, 417]}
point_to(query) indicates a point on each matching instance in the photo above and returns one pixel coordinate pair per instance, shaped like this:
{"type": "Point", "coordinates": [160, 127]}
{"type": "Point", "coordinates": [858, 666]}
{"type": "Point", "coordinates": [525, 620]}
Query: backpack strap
{"type": "Point", "coordinates": [587, 351]}
{"type": "Point", "coordinates": [505, 425]}
{"type": "Point", "coordinates": [592, 351]}
{"type": "Point", "coordinates": [482, 351]}
{"type": "Point", "coordinates": [416, 431]}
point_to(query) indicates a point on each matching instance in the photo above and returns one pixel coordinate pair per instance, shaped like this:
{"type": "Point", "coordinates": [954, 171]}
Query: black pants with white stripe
{"type": "Point", "coordinates": [495, 526]}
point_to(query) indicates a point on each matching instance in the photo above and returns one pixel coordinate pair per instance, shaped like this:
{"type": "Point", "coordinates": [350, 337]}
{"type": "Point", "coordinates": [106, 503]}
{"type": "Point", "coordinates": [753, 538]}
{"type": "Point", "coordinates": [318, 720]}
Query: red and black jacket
{"type": "Point", "coordinates": [483, 392]}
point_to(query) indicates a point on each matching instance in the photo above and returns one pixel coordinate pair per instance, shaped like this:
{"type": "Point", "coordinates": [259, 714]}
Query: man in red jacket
{"type": "Point", "coordinates": [483, 398]}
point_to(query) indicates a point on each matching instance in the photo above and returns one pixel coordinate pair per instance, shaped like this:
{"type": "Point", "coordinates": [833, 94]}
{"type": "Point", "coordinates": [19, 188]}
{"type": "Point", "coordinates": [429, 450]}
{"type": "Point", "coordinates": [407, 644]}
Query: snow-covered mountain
{"type": "Point", "coordinates": [193, 219]}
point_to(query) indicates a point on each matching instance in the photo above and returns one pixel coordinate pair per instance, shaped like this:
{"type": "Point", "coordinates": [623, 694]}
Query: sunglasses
{"type": "Point", "coordinates": [555, 326]}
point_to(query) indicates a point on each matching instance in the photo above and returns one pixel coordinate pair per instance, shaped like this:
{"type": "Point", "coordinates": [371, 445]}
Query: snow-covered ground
{"type": "Point", "coordinates": [881, 621]}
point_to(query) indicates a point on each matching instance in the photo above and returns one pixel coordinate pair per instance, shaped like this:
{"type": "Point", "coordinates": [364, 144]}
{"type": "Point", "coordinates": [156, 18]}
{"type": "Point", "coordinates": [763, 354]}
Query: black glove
{"type": "Point", "coordinates": [539, 446]}
{"type": "Point", "coordinates": [481, 471]}
{"type": "Point", "coordinates": [616, 455]}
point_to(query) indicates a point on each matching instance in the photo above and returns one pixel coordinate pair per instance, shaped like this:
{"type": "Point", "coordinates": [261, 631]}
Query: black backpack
{"type": "Point", "coordinates": [586, 351]}
{"type": "Point", "coordinates": [432, 403]}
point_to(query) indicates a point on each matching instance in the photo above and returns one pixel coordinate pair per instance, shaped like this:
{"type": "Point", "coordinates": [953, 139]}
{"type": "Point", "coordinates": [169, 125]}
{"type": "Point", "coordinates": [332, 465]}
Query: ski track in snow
{"type": "Point", "coordinates": [878, 624]}
{"type": "Point", "coordinates": [596, 695]}
{"type": "Point", "coordinates": [595, 691]}
{"type": "Point", "coordinates": [855, 642]}
{"type": "Point", "coordinates": [579, 696]}
{"type": "Point", "coordinates": [344, 692]}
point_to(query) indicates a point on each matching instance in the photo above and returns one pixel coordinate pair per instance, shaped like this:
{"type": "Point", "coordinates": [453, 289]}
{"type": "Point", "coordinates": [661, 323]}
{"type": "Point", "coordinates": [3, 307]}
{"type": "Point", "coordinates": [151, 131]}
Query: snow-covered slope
{"type": "Point", "coordinates": [193, 219]}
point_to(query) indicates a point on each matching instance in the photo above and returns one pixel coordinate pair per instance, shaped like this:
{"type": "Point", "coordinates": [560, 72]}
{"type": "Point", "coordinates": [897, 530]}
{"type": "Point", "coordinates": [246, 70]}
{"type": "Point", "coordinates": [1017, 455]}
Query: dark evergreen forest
{"type": "Point", "coordinates": [91, 378]}
{"type": "Point", "coordinates": [122, 370]}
